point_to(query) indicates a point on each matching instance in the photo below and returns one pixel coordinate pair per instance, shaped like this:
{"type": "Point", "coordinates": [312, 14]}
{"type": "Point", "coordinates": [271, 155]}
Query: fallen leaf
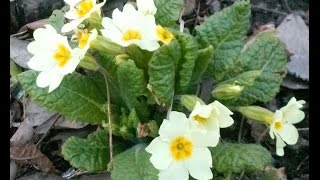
{"type": "Point", "coordinates": [270, 173]}
{"type": "Point", "coordinates": [13, 170]}
{"type": "Point", "coordinates": [95, 177]}
{"type": "Point", "coordinates": [23, 134]}
{"type": "Point", "coordinates": [37, 115]}
{"type": "Point", "coordinates": [294, 83]}
{"type": "Point", "coordinates": [295, 34]}
{"type": "Point", "coordinates": [40, 175]}
{"type": "Point", "coordinates": [34, 25]}
{"type": "Point", "coordinates": [47, 125]}
{"type": "Point", "coordinates": [30, 154]}
{"type": "Point", "coordinates": [19, 52]}
{"type": "Point", "coordinates": [189, 7]}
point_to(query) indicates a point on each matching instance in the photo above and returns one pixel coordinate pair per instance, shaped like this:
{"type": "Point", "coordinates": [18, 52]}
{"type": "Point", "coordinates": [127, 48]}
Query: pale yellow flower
{"type": "Point", "coordinates": [53, 56]}
{"type": "Point", "coordinates": [282, 125]}
{"type": "Point", "coordinates": [210, 118]}
{"type": "Point", "coordinates": [130, 27]}
{"type": "Point", "coordinates": [80, 10]}
{"type": "Point", "coordinates": [179, 151]}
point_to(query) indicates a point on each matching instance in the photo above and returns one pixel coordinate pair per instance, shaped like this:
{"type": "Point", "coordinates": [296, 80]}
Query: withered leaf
{"type": "Point", "coordinates": [30, 154]}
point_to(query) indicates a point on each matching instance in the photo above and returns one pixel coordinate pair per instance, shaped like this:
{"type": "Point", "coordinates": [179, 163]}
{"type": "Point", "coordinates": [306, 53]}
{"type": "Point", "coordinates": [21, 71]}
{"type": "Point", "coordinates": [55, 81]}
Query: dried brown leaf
{"type": "Point", "coordinates": [23, 134]}
{"type": "Point", "coordinates": [30, 154]}
{"type": "Point", "coordinates": [34, 25]}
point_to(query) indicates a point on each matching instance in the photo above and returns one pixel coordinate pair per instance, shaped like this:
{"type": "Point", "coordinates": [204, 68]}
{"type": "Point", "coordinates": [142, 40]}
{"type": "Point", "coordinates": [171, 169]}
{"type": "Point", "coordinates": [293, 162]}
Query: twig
{"type": "Point", "coordinates": [109, 117]}
{"type": "Point", "coordinates": [262, 135]}
{"type": "Point", "coordinates": [241, 175]}
{"type": "Point", "coordinates": [229, 176]}
{"type": "Point", "coordinates": [302, 162]}
{"type": "Point", "coordinates": [287, 6]}
{"type": "Point", "coordinates": [270, 10]}
{"type": "Point", "coordinates": [303, 129]}
{"type": "Point", "coordinates": [197, 13]}
{"type": "Point", "coordinates": [181, 21]}
{"type": "Point", "coordinates": [240, 130]}
{"type": "Point", "coordinates": [57, 117]}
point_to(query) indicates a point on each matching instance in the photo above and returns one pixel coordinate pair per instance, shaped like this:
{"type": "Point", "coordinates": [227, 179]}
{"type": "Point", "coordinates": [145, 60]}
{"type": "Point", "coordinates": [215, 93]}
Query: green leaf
{"type": "Point", "coordinates": [134, 164]}
{"type": "Point", "coordinates": [168, 12]}
{"type": "Point", "coordinates": [262, 66]}
{"type": "Point", "coordinates": [225, 31]}
{"type": "Point", "coordinates": [162, 72]}
{"type": "Point", "coordinates": [189, 50]}
{"type": "Point", "coordinates": [14, 69]}
{"type": "Point", "coordinates": [139, 56]}
{"type": "Point", "coordinates": [235, 158]}
{"type": "Point", "coordinates": [77, 97]}
{"type": "Point", "coordinates": [133, 87]}
{"type": "Point", "coordinates": [56, 20]}
{"type": "Point", "coordinates": [91, 154]}
{"type": "Point", "coordinates": [201, 64]}
{"type": "Point", "coordinates": [107, 62]}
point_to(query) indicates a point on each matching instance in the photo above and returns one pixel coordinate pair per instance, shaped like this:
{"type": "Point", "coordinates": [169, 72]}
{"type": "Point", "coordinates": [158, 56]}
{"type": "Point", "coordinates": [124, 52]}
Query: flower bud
{"type": "Point", "coordinates": [189, 101]}
{"type": "Point", "coordinates": [257, 113]}
{"type": "Point", "coordinates": [226, 91]}
{"type": "Point", "coordinates": [104, 45]}
{"type": "Point", "coordinates": [88, 62]}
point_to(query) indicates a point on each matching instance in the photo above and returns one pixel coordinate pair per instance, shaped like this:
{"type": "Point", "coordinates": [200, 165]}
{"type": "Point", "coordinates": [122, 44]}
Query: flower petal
{"type": "Point", "coordinates": [161, 157]}
{"type": "Point", "coordinates": [279, 146]}
{"type": "Point", "coordinates": [49, 78]}
{"type": "Point", "coordinates": [146, 7]}
{"type": "Point", "coordinates": [289, 133]}
{"type": "Point", "coordinates": [212, 124]}
{"type": "Point", "coordinates": [202, 110]}
{"type": "Point", "coordinates": [223, 114]}
{"type": "Point", "coordinates": [41, 62]}
{"type": "Point", "coordinates": [149, 45]}
{"type": "Point", "coordinates": [200, 139]}
{"type": "Point", "coordinates": [71, 25]}
{"type": "Point", "coordinates": [177, 125]}
{"type": "Point", "coordinates": [293, 116]}
{"type": "Point", "coordinates": [176, 171]}
{"type": "Point", "coordinates": [200, 163]}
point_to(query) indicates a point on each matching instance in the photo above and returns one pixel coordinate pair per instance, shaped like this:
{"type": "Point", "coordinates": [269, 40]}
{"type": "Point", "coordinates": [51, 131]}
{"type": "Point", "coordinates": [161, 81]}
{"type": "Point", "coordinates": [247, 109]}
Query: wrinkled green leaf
{"type": "Point", "coordinates": [133, 87]}
{"type": "Point", "coordinates": [56, 20]}
{"type": "Point", "coordinates": [168, 12]}
{"type": "Point", "coordinates": [139, 56]}
{"type": "Point", "coordinates": [134, 164]}
{"type": "Point", "coordinates": [201, 64]}
{"type": "Point", "coordinates": [225, 31]}
{"type": "Point", "coordinates": [91, 154]}
{"type": "Point", "coordinates": [189, 51]}
{"type": "Point", "coordinates": [235, 158]}
{"type": "Point", "coordinates": [262, 66]}
{"type": "Point", "coordinates": [78, 97]}
{"type": "Point", "coordinates": [162, 72]}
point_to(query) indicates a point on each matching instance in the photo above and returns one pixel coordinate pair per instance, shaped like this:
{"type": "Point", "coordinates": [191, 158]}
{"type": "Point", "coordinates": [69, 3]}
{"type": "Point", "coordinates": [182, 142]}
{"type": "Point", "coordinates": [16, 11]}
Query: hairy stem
{"type": "Point", "coordinates": [109, 117]}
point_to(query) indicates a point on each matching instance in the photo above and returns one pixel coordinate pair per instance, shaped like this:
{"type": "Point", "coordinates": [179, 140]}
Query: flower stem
{"type": "Point", "coordinates": [103, 72]}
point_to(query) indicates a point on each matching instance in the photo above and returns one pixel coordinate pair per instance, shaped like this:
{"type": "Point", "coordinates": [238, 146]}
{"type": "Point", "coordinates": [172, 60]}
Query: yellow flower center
{"type": "Point", "coordinates": [84, 7]}
{"type": "Point", "coordinates": [278, 125]}
{"type": "Point", "coordinates": [131, 34]}
{"type": "Point", "coordinates": [181, 148]}
{"type": "Point", "coordinates": [199, 119]}
{"type": "Point", "coordinates": [164, 35]}
{"type": "Point", "coordinates": [83, 39]}
{"type": "Point", "coordinates": [62, 55]}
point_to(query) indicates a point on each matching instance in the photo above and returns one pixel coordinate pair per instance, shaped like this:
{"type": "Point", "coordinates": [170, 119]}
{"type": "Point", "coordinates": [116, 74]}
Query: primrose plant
{"type": "Point", "coordinates": [137, 76]}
